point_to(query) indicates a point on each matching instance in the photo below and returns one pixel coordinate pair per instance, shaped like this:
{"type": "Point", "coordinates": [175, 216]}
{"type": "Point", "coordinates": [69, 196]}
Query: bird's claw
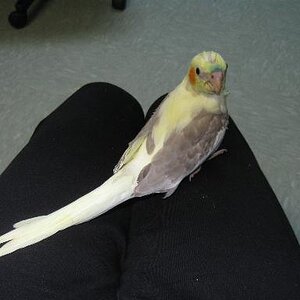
{"type": "Point", "coordinates": [194, 173]}
{"type": "Point", "coordinates": [217, 153]}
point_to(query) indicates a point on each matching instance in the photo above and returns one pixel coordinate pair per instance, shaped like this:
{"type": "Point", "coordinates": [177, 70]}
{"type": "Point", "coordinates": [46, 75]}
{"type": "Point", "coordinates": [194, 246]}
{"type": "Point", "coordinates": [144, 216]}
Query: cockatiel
{"type": "Point", "coordinates": [185, 130]}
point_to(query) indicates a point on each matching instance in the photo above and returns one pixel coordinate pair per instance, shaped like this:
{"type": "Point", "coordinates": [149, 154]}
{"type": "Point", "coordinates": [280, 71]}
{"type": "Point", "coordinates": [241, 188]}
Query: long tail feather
{"type": "Point", "coordinates": [114, 191]}
{"type": "Point", "coordinates": [28, 221]}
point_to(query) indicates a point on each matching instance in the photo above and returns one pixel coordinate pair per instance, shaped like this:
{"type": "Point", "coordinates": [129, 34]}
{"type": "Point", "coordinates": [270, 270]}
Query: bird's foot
{"type": "Point", "coordinates": [170, 192]}
{"type": "Point", "coordinates": [194, 173]}
{"type": "Point", "coordinates": [217, 153]}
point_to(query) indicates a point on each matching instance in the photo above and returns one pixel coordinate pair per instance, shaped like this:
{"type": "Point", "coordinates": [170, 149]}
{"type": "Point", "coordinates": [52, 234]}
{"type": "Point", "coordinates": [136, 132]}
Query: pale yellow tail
{"type": "Point", "coordinates": [114, 191]}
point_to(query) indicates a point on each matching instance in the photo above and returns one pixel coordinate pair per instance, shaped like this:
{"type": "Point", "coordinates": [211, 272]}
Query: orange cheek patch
{"type": "Point", "coordinates": [192, 76]}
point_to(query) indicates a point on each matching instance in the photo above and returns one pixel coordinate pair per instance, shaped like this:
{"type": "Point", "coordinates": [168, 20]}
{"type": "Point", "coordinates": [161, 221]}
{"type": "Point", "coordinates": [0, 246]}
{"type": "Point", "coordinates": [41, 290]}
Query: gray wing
{"type": "Point", "coordinates": [144, 134]}
{"type": "Point", "coordinates": [182, 153]}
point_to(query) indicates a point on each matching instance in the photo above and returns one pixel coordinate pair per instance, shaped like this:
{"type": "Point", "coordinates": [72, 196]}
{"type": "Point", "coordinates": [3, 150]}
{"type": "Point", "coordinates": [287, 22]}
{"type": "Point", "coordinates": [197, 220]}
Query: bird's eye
{"type": "Point", "coordinates": [197, 71]}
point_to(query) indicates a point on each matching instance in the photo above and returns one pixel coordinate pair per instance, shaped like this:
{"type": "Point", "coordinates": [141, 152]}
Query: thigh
{"type": "Point", "coordinates": [70, 153]}
{"type": "Point", "coordinates": [221, 236]}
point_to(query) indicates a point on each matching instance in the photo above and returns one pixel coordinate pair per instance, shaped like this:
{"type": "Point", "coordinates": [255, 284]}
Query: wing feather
{"type": "Point", "coordinates": [144, 135]}
{"type": "Point", "coordinates": [182, 153]}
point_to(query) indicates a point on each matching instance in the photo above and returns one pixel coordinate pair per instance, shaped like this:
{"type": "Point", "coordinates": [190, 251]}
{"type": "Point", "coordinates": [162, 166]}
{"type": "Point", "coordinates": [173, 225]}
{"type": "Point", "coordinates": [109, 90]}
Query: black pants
{"type": "Point", "coordinates": [221, 236]}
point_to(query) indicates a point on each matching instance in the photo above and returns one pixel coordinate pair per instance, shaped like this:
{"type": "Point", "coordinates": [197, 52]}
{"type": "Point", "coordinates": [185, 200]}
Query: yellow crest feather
{"type": "Point", "coordinates": [209, 61]}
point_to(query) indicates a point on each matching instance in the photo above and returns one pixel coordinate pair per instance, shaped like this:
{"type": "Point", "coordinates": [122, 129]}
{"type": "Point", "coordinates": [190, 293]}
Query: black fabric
{"type": "Point", "coordinates": [221, 236]}
{"type": "Point", "coordinates": [71, 152]}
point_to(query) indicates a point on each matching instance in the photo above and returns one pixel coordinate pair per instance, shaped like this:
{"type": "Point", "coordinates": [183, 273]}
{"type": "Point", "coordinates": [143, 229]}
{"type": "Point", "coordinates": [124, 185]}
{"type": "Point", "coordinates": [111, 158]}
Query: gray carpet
{"type": "Point", "coordinates": [146, 50]}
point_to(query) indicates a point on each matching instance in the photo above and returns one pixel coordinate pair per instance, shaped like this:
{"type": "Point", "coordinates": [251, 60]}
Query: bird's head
{"type": "Point", "coordinates": [207, 73]}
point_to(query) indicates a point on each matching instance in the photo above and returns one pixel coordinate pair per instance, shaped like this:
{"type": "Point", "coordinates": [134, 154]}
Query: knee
{"type": "Point", "coordinates": [108, 95]}
{"type": "Point", "coordinates": [94, 100]}
{"type": "Point", "coordinates": [108, 99]}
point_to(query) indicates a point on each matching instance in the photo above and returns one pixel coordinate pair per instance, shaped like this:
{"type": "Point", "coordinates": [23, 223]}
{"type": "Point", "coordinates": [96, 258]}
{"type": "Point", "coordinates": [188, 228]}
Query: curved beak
{"type": "Point", "coordinates": [216, 80]}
